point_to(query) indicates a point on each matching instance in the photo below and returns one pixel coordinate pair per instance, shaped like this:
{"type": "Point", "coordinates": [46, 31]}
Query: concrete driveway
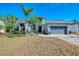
{"type": "Point", "coordinates": [74, 39]}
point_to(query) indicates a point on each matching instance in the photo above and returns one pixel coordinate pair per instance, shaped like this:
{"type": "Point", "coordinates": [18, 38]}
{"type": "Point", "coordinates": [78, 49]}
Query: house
{"type": "Point", "coordinates": [52, 27]}
{"type": "Point", "coordinates": [61, 27]}
{"type": "Point", "coordinates": [23, 25]}
{"type": "Point", "coordinates": [2, 27]}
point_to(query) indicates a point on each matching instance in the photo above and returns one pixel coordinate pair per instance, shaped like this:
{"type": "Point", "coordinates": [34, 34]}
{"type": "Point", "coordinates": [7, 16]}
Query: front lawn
{"type": "Point", "coordinates": [35, 45]}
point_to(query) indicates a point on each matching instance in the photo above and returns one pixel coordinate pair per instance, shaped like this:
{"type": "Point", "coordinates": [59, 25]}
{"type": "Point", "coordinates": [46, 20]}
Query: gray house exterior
{"type": "Point", "coordinates": [61, 27]}
{"type": "Point", "coordinates": [23, 25]}
{"type": "Point", "coordinates": [52, 27]}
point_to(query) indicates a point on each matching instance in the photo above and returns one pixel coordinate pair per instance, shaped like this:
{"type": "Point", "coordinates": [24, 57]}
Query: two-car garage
{"type": "Point", "coordinates": [58, 30]}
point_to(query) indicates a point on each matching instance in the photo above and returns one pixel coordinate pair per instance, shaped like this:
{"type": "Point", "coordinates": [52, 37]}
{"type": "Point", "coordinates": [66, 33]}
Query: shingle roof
{"type": "Point", "coordinates": [61, 22]}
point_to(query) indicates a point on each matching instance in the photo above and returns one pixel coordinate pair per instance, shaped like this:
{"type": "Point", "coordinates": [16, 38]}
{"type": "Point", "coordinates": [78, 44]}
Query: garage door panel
{"type": "Point", "coordinates": [58, 30]}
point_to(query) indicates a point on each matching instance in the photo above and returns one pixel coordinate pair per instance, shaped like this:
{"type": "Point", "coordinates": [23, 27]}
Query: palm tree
{"type": "Point", "coordinates": [26, 11]}
{"type": "Point", "coordinates": [74, 20]}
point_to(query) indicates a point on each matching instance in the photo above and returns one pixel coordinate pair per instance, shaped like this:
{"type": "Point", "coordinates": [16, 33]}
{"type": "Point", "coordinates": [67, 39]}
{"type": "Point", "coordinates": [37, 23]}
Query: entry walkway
{"type": "Point", "coordinates": [74, 39]}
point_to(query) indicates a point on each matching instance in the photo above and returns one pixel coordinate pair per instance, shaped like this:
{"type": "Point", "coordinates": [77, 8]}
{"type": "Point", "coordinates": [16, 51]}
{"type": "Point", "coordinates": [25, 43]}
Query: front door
{"type": "Point", "coordinates": [40, 29]}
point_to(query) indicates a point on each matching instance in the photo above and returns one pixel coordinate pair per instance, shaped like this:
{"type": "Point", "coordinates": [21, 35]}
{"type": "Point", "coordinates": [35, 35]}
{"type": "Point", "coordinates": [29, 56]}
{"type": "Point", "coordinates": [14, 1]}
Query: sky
{"type": "Point", "coordinates": [51, 11]}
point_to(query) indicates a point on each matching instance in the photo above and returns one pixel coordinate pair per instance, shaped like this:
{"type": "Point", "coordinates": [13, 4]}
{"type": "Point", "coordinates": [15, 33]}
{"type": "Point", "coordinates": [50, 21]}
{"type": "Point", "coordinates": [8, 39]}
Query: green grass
{"type": "Point", "coordinates": [35, 45]}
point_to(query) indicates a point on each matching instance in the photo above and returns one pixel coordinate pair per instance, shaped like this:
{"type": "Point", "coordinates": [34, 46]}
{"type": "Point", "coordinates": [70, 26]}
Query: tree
{"type": "Point", "coordinates": [1, 17]}
{"type": "Point", "coordinates": [74, 20]}
{"type": "Point", "coordinates": [11, 23]}
{"type": "Point", "coordinates": [36, 22]}
{"type": "Point", "coordinates": [26, 11]}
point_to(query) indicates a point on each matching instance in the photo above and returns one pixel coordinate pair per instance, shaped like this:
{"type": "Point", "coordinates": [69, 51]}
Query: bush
{"type": "Point", "coordinates": [45, 32]}
{"type": "Point", "coordinates": [11, 35]}
{"type": "Point", "coordinates": [15, 32]}
{"type": "Point", "coordinates": [22, 32]}
{"type": "Point", "coordinates": [15, 35]}
{"type": "Point", "coordinates": [32, 34]}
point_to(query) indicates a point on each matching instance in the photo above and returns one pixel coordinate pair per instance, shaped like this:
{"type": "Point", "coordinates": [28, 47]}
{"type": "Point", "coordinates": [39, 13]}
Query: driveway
{"type": "Point", "coordinates": [74, 39]}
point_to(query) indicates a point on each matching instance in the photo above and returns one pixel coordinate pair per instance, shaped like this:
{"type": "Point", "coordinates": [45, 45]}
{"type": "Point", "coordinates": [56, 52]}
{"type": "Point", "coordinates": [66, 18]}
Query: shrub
{"type": "Point", "coordinates": [45, 32]}
{"type": "Point", "coordinates": [11, 35]}
{"type": "Point", "coordinates": [15, 35]}
{"type": "Point", "coordinates": [32, 34]}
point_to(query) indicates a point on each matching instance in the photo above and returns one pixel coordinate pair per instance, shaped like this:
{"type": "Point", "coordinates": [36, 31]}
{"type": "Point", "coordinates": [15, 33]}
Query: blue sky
{"type": "Point", "coordinates": [50, 11]}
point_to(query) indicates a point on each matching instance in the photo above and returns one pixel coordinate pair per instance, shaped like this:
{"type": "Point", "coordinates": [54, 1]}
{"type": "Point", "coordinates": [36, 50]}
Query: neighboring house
{"type": "Point", "coordinates": [2, 27]}
{"type": "Point", "coordinates": [61, 27]}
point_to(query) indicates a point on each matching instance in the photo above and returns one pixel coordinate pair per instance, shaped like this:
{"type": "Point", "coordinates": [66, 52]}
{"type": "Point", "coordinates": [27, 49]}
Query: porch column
{"type": "Point", "coordinates": [25, 28]}
{"type": "Point", "coordinates": [19, 28]}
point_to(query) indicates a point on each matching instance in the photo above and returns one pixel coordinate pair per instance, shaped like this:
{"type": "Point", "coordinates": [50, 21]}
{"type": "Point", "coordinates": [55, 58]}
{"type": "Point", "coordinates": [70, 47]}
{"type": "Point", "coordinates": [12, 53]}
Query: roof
{"type": "Point", "coordinates": [61, 22]}
{"type": "Point", "coordinates": [41, 17]}
{"type": "Point", "coordinates": [22, 21]}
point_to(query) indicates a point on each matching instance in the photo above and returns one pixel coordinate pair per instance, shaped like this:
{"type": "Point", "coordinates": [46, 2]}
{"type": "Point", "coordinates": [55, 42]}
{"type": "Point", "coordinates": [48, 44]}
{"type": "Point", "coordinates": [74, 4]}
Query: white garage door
{"type": "Point", "coordinates": [58, 30]}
